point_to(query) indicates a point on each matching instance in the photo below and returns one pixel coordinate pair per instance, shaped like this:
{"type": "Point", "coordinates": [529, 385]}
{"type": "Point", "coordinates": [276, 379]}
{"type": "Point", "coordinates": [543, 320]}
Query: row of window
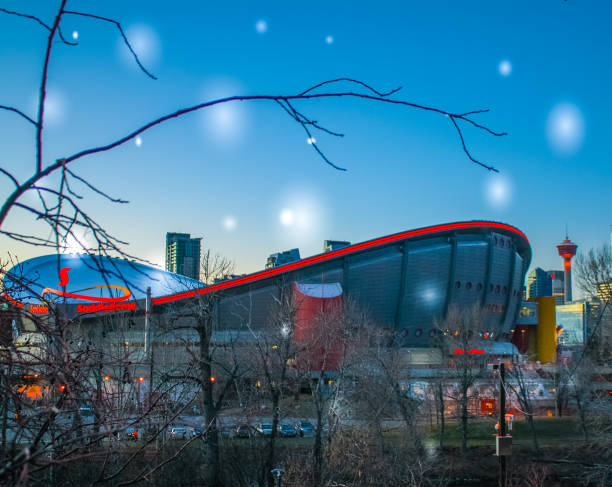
{"type": "Point", "coordinates": [496, 308]}
{"type": "Point", "coordinates": [492, 288]}
{"type": "Point", "coordinates": [418, 332]}
{"type": "Point", "coordinates": [502, 242]}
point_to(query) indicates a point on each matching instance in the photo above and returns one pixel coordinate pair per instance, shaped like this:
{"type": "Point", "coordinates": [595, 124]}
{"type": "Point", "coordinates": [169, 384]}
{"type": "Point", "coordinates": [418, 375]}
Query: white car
{"type": "Point", "coordinates": [180, 432]}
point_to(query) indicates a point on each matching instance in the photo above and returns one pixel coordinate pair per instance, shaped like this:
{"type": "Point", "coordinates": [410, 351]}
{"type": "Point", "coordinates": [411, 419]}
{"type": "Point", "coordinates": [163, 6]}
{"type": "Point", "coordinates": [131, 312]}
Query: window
{"type": "Point", "coordinates": [468, 286]}
{"type": "Point", "coordinates": [418, 332]}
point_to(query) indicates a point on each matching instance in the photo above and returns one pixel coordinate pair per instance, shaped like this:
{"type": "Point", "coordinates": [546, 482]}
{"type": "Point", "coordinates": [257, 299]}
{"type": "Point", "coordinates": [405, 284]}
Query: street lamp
{"type": "Point", "coordinates": [277, 472]}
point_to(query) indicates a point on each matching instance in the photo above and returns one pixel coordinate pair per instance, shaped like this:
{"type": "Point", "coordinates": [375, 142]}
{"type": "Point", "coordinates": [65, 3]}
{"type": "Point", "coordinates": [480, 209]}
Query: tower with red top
{"type": "Point", "coordinates": [567, 250]}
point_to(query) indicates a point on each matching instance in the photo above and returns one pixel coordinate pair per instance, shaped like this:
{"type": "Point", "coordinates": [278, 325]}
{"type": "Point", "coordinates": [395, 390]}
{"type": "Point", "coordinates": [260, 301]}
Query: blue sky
{"type": "Point", "coordinates": [228, 175]}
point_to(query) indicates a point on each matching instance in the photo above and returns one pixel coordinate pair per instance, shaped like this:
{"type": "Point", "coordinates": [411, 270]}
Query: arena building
{"type": "Point", "coordinates": [403, 281]}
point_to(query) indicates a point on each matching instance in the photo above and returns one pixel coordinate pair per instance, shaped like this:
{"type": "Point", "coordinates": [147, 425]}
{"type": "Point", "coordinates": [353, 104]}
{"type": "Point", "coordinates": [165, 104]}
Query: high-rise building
{"type": "Point", "coordinates": [331, 245]}
{"type": "Point", "coordinates": [567, 250]}
{"type": "Point", "coordinates": [183, 254]}
{"type": "Point", "coordinates": [539, 283]}
{"type": "Point", "coordinates": [282, 258]}
{"type": "Point", "coordinates": [558, 285]}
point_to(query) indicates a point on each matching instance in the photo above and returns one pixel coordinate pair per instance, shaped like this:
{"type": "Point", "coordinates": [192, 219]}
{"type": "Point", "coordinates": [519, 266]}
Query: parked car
{"type": "Point", "coordinates": [197, 431]}
{"type": "Point", "coordinates": [305, 428]}
{"type": "Point", "coordinates": [86, 410]}
{"type": "Point", "coordinates": [130, 434]}
{"type": "Point", "coordinates": [287, 430]}
{"type": "Point", "coordinates": [264, 429]}
{"type": "Point", "coordinates": [244, 431]}
{"type": "Point", "coordinates": [180, 432]}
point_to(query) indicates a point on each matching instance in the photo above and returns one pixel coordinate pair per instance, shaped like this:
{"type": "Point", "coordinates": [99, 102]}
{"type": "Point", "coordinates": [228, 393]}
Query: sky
{"type": "Point", "coordinates": [244, 177]}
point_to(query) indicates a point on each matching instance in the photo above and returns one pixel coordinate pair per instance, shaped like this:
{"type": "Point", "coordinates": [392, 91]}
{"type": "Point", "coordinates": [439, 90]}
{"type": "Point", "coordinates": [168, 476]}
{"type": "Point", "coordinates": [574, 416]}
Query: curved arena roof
{"type": "Point", "coordinates": [81, 278]}
{"type": "Point", "coordinates": [405, 280]}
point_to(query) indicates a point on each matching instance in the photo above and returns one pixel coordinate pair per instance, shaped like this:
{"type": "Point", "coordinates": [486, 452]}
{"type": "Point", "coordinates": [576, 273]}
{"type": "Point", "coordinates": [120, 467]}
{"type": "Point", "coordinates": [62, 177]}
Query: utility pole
{"type": "Point", "coordinates": [502, 423]}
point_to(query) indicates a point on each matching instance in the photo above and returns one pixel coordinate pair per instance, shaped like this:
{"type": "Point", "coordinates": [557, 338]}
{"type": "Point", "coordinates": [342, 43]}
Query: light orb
{"type": "Point", "coordinates": [498, 192]}
{"type": "Point", "coordinates": [261, 26]}
{"type": "Point", "coordinates": [505, 68]}
{"type": "Point", "coordinates": [565, 129]}
{"type": "Point", "coordinates": [286, 217]}
{"type": "Point", "coordinates": [229, 223]}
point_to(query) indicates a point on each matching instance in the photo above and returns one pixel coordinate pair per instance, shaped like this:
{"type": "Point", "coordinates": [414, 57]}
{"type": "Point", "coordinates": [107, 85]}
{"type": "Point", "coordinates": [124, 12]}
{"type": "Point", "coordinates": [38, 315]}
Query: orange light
{"type": "Point", "coordinates": [106, 377]}
{"type": "Point", "coordinates": [212, 378]}
{"type": "Point", "coordinates": [141, 379]}
{"type": "Point", "coordinates": [62, 388]}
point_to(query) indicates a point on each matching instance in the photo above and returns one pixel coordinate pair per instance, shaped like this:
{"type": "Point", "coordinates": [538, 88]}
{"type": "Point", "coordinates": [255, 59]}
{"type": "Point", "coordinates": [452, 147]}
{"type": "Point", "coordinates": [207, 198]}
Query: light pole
{"type": "Point", "coordinates": [277, 473]}
{"type": "Point", "coordinates": [503, 442]}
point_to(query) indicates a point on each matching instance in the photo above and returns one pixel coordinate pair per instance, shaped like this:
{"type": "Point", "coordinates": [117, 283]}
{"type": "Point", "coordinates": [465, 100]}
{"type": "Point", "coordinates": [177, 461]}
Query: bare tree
{"type": "Point", "coordinates": [212, 364]}
{"type": "Point", "coordinates": [461, 333]}
{"type": "Point", "coordinates": [274, 350]}
{"type": "Point", "coordinates": [594, 277]}
{"type": "Point", "coordinates": [518, 381]}
{"type": "Point", "coordinates": [389, 369]}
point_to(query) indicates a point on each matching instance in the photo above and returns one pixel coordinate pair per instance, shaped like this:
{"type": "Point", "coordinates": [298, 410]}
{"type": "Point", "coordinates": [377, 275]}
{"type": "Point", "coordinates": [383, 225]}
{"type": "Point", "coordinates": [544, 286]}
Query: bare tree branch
{"type": "Point", "coordinates": [125, 39]}
{"type": "Point", "coordinates": [39, 21]}
{"type": "Point", "coordinates": [18, 112]}
{"type": "Point", "coordinates": [43, 88]}
{"type": "Point", "coordinates": [10, 176]}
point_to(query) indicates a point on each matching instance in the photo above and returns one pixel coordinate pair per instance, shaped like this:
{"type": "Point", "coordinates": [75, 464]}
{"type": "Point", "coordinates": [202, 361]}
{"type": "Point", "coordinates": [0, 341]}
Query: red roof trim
{"type": "Point", "coordinates": [337, 253]}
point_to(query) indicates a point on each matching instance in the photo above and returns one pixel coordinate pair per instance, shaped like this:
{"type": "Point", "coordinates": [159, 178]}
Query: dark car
{"type": "Point", "coordinates": [244, 431]}
{"type": "Point", "coordinates": [287, 430]}
{"type": "Point", "coordinates": [305, 428]}
{"type": "Point", "coordinates": [264, 429]}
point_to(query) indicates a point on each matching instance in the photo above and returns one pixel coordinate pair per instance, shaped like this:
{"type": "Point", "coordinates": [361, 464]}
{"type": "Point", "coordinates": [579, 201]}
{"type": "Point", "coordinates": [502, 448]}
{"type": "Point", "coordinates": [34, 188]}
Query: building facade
{"type": "Point", "coordinates": [539, 283]}
{"type": "Point", "coordinates": [183, 255]}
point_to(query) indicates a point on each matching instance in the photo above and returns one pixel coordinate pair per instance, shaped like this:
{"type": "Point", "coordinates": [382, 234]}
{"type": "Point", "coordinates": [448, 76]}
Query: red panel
{"type": "Point", "coordinates": [317, 330]}
{"type": "Point", "coordinates": [520, 337]}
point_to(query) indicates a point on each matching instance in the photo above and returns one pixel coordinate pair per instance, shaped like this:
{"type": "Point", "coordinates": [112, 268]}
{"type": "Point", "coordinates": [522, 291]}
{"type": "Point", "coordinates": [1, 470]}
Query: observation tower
{"type": "Point", "coordinates": [567, 250]}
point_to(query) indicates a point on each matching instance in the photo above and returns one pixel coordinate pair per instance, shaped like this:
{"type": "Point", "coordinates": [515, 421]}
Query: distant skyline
{"type": "Point", "coordinates": [244, 176]}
